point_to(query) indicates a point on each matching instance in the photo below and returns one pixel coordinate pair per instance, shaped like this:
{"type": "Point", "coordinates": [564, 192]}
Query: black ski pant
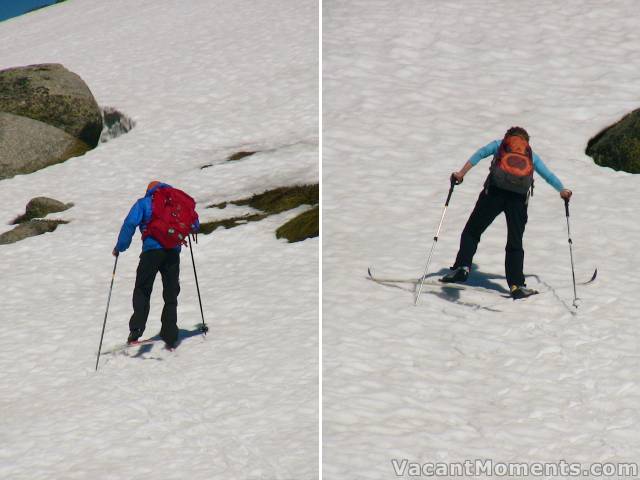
{"type": "Point", "coordinates": [167, 262]}
{"type": "Point", "coordinates": [491, 202]}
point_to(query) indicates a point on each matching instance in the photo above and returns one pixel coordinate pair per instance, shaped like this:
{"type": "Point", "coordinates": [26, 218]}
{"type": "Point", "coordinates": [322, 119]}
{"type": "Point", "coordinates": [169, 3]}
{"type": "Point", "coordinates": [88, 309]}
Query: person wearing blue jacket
{"type": "Point", "coordinates": [154, 259]}
{"type": "Point", "coordinates": [491, 202]}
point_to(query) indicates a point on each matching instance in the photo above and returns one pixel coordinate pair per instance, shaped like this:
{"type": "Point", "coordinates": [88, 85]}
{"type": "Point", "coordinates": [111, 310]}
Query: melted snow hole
{"type": "Point", "coordinates": [115, 123]}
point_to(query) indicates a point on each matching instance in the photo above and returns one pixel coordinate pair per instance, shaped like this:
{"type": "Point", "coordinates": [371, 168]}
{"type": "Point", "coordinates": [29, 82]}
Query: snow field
{"type": "Point", "coordinates": [201, 82]}
{"type": "Point", "coordinates": [411, 89]}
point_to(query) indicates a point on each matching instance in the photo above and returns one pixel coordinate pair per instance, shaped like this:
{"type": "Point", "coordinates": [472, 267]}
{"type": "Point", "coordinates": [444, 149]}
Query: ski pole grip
{"type": "Point", "coordinates": [453, 184]}
{"type": "Point", "coordinates": [566, 206]}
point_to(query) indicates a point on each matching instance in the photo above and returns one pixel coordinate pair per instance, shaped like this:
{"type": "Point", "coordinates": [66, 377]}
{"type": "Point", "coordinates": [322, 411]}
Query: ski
{"type": "Point", "coordinates": [184, 335]}
{"type": "Point", "coordinates": [137, 343]}
{"type": "Point", "coordinates": [434, 284]}
{"type": "Point", "coordinates": [459, 286]}
{"type": "Point", "coordinates": [592, 279]}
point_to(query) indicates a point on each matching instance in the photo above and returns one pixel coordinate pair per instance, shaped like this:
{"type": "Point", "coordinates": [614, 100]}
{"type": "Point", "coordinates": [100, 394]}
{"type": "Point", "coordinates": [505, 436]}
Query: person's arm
{"type": "Point", "coordinates": [542, 170]}
{"type": "Point", "coordinates": [484, 152]}
{"type": "Point", "coordinates": [134, 218]}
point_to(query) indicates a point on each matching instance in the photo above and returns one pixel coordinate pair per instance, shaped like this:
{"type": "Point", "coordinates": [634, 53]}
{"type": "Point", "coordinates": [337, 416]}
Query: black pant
{"type": "Point", "coordinates": [490, 204]}
{"type": "Point", "coordinates": [167, 262]}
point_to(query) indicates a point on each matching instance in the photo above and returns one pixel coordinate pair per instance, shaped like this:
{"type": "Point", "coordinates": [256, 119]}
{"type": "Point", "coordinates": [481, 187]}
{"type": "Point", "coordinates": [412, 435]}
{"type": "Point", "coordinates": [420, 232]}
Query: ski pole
{"type": "Point", "coordinates": [573, 274]}
{"type": "Point", "coordinates": [104, 324]}
{"type": "Point", "coordinates": [204, 329]}
{"type": "Point", "coordinates": [454, 182]}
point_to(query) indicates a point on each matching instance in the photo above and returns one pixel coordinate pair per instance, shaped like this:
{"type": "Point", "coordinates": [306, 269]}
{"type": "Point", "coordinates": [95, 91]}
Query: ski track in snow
{"type": "Point", "coordinates": [411, 89]}
{"type": "Point", "coordinates": [201, 82]}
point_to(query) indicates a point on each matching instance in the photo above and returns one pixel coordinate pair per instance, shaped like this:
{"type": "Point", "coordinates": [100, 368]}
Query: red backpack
{"type": "Point", "coordinates": [173, 216]}
{"type": "Point", "coordinates": [512, 167]}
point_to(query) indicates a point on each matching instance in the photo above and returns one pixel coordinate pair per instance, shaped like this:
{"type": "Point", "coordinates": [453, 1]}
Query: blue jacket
{"type": "Point", "coordinates": [139, 216]}
{"type": "Point", "coordinates": [538, 165]}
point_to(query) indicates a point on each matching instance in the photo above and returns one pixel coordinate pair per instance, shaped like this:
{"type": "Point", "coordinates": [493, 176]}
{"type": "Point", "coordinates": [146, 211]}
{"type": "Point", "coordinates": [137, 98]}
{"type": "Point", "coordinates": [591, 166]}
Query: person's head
{"type": "Point", "coordinates": [519, 131]}
{"type": "Point", "coordinates": [152, 184]}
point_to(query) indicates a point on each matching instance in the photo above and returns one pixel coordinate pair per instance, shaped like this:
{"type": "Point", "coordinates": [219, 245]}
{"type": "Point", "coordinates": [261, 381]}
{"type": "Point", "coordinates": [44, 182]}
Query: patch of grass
{"type": "Point", "coordinates": [219, 205]}
{"type": "Point", "coordinates": [269, 203]}
{"type": "Point", "coordinates": [239, 156]}
{"type": "Point", "coordinates": [283, 198]}
{"type": "Point", "coordinates": [207, 227]}
{"type": "Point", "coordinates": [306, 225]}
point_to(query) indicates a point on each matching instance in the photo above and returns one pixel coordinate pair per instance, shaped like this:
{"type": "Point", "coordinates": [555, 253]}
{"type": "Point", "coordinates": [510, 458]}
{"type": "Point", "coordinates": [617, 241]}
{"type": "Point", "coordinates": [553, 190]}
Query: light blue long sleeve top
{"type": "Point", "coordinates": [538, 165]}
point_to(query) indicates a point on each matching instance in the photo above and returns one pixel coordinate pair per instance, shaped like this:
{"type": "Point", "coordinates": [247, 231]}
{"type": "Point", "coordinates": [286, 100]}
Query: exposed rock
{"type": "Point", "coordinates": [618, 146]}
{"type": "Point", "coordinates": [115, 123]}
{"type": "Point", "coordinates": [40, 207]}
{"type": "Point", "coordinates": [28, 145]}
{"type": "Point", "coordinates": [52, 94]}
{"type": "Point", "coordinates": [306, 225]}
{"type": "Point", "coordinates": [29, 229]}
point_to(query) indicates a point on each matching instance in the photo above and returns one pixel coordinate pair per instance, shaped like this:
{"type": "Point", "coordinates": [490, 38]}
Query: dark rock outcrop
{"type": "Point", "coordinates": [618, 146]}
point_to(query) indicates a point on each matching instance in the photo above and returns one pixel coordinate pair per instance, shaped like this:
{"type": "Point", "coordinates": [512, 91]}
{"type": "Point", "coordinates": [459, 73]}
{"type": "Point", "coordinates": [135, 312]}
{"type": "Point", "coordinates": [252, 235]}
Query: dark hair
{"type": "Point", "coordinates": [519, 131]}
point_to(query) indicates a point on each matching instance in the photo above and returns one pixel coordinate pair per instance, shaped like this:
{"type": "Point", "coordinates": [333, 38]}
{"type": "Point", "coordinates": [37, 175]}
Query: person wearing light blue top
{"type": "Point", "coordinates": [538, 165]}
{"type": "Point", "coordinates": [494, 200]}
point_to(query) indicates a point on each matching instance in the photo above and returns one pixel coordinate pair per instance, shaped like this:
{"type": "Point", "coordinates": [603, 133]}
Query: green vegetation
{"type": "Point", "coordinates": [306, 225]}
{"type": "Point", "coordinates": [219, 205]}
{"type": "Point", "coordinates": [282, 199]}
{"type": "Point", "coordinates": [618, 146]}
{"type": "Point", "coordinates": [239, 156]}
{"type": "Point", "coordinates": [269, 203]}
{"type": "Point", "coordinates": [208, 227]}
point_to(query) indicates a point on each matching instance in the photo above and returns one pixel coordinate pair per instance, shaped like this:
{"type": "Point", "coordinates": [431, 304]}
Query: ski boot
{"type": "Point", "coordinates": [458, 275]}
{"type": "Point", "coordinates": [134, 335]}
{"type": "Point", "coordinates": [518, 292]}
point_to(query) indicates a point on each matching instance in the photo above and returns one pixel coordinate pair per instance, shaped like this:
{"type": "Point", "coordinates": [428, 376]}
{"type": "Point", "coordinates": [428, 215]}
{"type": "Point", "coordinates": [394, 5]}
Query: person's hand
{"type": "Point", "coordinates": [566, 194]}
{"type": "Point", "coordinates": [115, 252]}
{"type": "Point", "coordinates": [458, 176]}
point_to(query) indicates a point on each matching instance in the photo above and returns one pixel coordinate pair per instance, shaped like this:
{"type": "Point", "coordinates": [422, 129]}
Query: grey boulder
{"type": "Point", "coordinates": [28, 145]}
{"type": "Point", "coordinates": [29, 229]}
{"type": "Point", "coordinates": [40, 207]}
{"type": "Point", "coordinates": [53, 95]}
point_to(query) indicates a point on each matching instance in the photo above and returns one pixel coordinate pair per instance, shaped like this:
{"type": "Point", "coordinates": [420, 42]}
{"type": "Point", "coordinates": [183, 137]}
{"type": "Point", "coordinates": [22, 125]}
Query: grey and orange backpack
{"type": "Point", "coordinates": [512, 166]}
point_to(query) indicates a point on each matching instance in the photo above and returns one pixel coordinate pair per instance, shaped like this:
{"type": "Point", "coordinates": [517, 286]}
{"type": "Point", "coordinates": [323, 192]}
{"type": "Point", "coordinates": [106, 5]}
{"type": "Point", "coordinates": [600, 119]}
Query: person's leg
{"type": "Point", "coordinates": [145, 275]}
{"type": "Point", "coordinates": [170, 271]}
{"type": "Point", "coordinates": [488, 207]}
{"type": "Point", "coordinates": [516, 214]}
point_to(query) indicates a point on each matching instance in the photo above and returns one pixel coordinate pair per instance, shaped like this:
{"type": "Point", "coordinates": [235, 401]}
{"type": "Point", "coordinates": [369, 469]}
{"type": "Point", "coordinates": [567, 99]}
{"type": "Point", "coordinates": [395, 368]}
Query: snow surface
{"type": "Point", "coordinates": [201, 81]}
{"type": "Point", "coordinates": [410, 90]}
